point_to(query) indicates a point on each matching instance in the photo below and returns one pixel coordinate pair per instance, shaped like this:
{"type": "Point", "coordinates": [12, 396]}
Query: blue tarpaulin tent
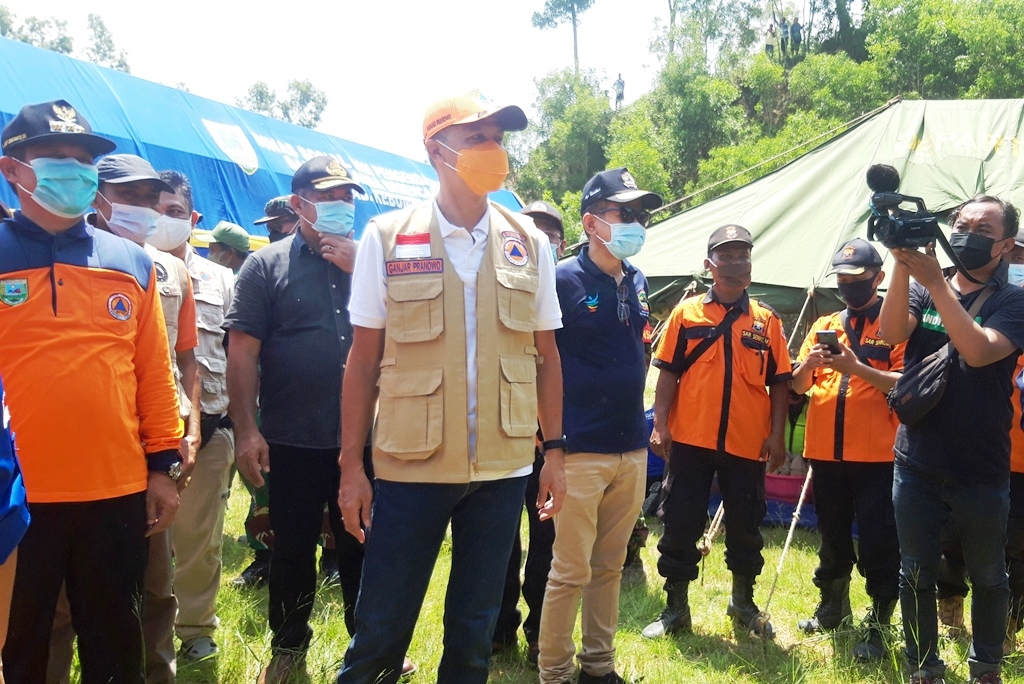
{"type": "Point", "coordinates": [236, 160]}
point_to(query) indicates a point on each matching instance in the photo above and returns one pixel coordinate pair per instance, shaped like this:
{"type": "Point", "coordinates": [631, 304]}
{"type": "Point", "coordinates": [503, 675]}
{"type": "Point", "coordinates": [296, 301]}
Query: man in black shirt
{"type": "Point", "coordinates": [956, 460]}
{"type": "Point", "coordinates": [289, 336]}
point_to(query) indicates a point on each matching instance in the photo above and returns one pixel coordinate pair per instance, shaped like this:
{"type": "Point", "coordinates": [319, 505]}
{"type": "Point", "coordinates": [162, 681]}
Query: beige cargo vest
{"type": "Point", "coordinates": [171, 282]}
{"type": "Point", "coordinates": [421, 434]}
{"type": "Point", "coordinates": [212, 286]}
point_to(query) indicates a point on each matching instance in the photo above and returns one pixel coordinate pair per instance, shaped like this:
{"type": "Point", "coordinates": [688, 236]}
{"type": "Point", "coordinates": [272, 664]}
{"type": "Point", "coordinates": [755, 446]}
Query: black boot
{"type": "Point", "coordinates": [833, 609]}
{"type": "Point", "coordinates": [676, 616]}
{"type": "Point", "coordinates": [258, 572]}
{"type": "Point", "coordinates": [745, 614]}
{"type": "Point", "coordinates": [872, 645]}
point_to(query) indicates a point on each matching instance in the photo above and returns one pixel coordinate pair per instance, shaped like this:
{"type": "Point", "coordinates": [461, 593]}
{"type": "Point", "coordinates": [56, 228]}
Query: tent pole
{"type": "Point", "coordinates": [799, 319]}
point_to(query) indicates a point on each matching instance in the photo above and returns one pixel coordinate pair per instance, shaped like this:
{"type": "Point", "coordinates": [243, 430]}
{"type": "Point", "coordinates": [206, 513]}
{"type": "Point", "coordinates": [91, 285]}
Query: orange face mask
{"type": "Point", "coordinates": [482, 168]}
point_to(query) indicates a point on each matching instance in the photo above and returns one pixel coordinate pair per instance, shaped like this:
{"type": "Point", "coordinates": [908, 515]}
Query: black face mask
{"type": "Point", "coordinates": [739, 270]}
{"type": "Point", "coordinates": [974, 251]}
{"type": "Point", "coordinates": [858, 293]}
{"type": "Point", "coordinates": [276, 236]}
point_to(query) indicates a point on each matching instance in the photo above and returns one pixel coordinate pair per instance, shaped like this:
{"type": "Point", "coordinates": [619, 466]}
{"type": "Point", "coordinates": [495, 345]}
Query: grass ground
{"type": "Point", "coordinates": [712, 654]}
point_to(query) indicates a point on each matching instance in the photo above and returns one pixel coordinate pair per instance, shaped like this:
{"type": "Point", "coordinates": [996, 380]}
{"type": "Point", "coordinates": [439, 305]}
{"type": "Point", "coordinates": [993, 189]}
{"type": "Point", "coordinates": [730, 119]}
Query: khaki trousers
{"type": "Point", "coordinates": [198, 536]}
{"type": "Point", "coordinates": [158, 610]}
{"type": "Point", "coordinates": [6, 589]}
{"type": "Point", "coordinates": [602, 502]}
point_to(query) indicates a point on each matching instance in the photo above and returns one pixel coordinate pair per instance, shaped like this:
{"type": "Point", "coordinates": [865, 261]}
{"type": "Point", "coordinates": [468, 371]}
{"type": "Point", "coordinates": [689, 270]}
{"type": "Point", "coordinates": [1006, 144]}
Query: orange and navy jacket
{"type": "Point", "coordinates": [848, 419]}
{"type": "Point", "coordinates": [722, 401]}
{"type": "Point", "coordinates": [83, 354]}
{"type": "Point", "coordinates": [1016, 431]}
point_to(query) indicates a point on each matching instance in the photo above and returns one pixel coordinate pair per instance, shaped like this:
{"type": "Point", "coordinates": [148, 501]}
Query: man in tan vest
{"type": "Point", "coordinates": [454, 310]}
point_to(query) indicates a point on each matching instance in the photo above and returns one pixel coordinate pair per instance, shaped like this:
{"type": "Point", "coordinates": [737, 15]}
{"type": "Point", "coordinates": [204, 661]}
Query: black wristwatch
{"type": "Point", "coordinates": [549, 444]}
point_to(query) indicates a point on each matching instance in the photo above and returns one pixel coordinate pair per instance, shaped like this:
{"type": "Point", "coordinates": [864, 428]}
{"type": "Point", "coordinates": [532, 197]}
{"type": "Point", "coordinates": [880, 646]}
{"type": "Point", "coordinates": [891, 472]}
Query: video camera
{"type": "Point", "coordinates": [894, 226]}
{"type": "Point", "coordinates": [889, 223]}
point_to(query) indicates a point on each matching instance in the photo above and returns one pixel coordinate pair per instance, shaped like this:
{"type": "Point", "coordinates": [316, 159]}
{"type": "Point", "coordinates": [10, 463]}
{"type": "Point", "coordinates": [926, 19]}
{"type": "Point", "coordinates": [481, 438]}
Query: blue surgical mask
{"type": "Point", "coordinates": [1016, 275]}
{"type": "Point", "coordinates": [627, 239]}
{"type": "Point", "coordinates": [554, 253]}
{"type": "Point", "coordinates": [337, 217]}
{"type": "Point", "coordinates": [64, 187]}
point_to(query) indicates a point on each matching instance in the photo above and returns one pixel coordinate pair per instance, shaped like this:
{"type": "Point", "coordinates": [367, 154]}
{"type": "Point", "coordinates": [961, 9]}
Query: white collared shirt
{"type": "Point", "coordinates": [465, 250]}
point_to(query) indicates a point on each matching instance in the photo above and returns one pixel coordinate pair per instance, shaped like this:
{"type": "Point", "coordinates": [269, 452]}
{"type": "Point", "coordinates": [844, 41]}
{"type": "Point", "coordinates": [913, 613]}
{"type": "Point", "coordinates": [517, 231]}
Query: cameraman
{"type": "Point", "coordinates": [956, 460]}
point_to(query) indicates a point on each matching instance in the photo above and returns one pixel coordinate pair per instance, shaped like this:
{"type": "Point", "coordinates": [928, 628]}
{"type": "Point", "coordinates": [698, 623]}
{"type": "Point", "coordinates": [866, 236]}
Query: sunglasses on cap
{"type": "Point", "coordinates": [627, 214]}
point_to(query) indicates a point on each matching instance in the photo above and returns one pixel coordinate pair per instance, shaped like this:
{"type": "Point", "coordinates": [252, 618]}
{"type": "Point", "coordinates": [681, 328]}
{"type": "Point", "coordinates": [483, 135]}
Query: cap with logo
{"type": "Point", "coordinates": [129, 168]}
{"type": "Point", "coordinates": [540, 208]}
{"type": "Point", "coordinates": [727, 234]}
{"type": "Point", "coordinates": [50, 121]}
{"type": "Point", "coordinates": [230, 234]}
{"type": "Point", "coordinates": [323, 173]}
{"type": "Point", "coordinates": [276, 208]}
{"type": "Point", "coordinates": [616, 185]}
{"type": "Point", "coordinates": [467, 108]}
{"type": "Point", "coordinates": [855, 257]}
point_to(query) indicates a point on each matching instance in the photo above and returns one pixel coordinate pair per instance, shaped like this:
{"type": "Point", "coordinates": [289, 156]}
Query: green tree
{"type": "Point", "coordinates": [835, 86]}
{"type": "Point", "coordinates": [49, 34]}
{"type": "Point", "coordinates": [260, 98]}
{"type": "Point", "coordinates": [304, 105]}
{"type": "Point", "coordinates": [634, 142]}
{"type": "Point", "coordinates": [103, 51]}
{"type": "Point", "coordinates": [560, 11]}
{"type": "Point", "coordinates": [571, 134]}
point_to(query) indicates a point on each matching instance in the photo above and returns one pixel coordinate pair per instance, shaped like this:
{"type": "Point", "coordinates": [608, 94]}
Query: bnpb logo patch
{"type": "Point", "coordinates": [515, 252]}
{"type": "Point", "coordinates": [119, 306]}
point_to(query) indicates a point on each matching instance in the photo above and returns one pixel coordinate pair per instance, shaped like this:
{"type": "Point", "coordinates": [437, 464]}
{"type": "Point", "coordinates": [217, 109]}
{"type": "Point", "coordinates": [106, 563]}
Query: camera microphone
{"type": "Point", "coordinates": [883, 178]}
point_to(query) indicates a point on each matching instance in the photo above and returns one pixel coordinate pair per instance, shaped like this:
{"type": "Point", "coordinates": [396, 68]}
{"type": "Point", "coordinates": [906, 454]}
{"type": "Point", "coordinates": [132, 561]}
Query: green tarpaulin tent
{"type": "Point", "coordinates": [799, 215]}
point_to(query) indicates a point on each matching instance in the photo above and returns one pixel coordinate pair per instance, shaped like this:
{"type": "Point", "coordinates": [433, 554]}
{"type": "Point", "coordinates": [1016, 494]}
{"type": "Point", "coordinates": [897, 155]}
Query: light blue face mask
{"type": "Point", "coordinates": [554, 253]}
{"type": "Point", "coordinates": [1016, 275]}
{"type": "Point", "coordinates": [336, 217]}
{"type": "Point", "coordinates": [64, 187]}
{"type": "Point", "coordinates": [627, 239]}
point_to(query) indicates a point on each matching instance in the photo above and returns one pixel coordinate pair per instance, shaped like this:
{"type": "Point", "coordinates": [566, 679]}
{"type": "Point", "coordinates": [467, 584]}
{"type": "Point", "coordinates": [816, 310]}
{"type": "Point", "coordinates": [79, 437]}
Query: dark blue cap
{"type": "Point", "coordinates": [616, 185]}
{"type": "Point", "coordinates": [49, 121]}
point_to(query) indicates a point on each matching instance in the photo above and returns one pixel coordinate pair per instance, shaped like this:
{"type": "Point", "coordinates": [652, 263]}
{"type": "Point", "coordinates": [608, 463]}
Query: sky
{"type": "Point", "coordinates": [380, 62]}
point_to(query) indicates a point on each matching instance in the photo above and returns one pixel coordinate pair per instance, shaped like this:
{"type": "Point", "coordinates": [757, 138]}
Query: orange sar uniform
{"type": "Point", "coordinates": [849, 438]}
{"type": "Point", "coordinates": [719, 420]}
{"type": "Point", "coordinates": [1015, 520]}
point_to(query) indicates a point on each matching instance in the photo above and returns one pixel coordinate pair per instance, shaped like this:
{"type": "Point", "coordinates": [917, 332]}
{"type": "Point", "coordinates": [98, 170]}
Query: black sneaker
{"type": "Point", "coordinates": [329, 567]}
{"type": "Point", "coordinates": [256, 575]}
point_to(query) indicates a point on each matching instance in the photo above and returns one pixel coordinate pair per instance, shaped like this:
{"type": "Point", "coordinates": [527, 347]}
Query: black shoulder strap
{"type": "Point", "coordinates": [705, 344]}
{"type": "Point", "coordinates": [973, 313]}
{"type": "Point", "coordinates": [852, 338]}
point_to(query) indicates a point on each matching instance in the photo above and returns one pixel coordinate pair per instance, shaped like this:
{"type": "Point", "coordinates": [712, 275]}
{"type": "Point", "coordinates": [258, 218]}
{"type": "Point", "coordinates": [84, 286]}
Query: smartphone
{"type": "Point", "coordinates": [830, 339]}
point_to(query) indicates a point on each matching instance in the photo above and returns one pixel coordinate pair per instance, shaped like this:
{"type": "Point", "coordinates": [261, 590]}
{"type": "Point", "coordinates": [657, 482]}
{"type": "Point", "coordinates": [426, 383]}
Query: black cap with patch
{"type": "Point", "coordinates": [52, 121]}
{"type": "Point", "coordinates": [855, 257]}
{"type": "Point", "coordinates": [616, 185]}
{"type": "Point", "coordinates": [323, 173]}
{"type": "Point", "coordinates": [727, 234]}
{"type": "Point", "coordinates": [545, 209]}
{"type": "Point", "coordinates": [129, 168]}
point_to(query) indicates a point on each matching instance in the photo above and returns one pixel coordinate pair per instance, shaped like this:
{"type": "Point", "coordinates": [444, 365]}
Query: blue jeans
{"type": "Point", "coordinates": [923, 501]}
{"type": "Point", "coordinates": [409, 525]}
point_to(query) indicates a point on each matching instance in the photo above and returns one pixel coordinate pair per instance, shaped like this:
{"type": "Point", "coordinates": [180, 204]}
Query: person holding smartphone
{"type": "Point", "coordinates": [848, 369]}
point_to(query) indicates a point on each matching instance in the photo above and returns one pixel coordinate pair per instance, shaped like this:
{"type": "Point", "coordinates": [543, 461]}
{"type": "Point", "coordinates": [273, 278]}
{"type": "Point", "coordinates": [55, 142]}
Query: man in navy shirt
{"type": "Point", "coordinates": [604, 313]}
{"type": "Point", "coordinates": [955, 462]}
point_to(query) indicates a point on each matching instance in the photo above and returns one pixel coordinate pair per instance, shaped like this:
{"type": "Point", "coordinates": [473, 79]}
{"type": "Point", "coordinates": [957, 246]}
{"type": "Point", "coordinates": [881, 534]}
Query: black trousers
{"type": "Point", "coordinates": [99, 550]}
{"type": "Point", "coordinates": [848, 491]}
{"type": "Point", "coordinates": [684, 511]}
{"type": "Point", "coordinates": [953, 569]}
{"type": "Point", "coordinates": [302, 481]}
{"type": "Point", "coordinates": [535, 575]}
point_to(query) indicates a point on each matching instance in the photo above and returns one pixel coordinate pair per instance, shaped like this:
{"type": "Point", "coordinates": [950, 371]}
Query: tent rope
{"type": "Point", "coordinates": [848, 124]}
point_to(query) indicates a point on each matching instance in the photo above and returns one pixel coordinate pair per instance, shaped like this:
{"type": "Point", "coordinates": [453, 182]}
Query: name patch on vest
{"type": "Point", "coordinates": [412, 246]}
{"type": "Point", "coordinates": [414, 266]}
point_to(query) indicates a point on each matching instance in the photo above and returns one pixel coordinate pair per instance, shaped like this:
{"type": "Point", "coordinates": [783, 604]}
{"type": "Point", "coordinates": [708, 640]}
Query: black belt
{"type": "Point", "coordinates": [208, 424]}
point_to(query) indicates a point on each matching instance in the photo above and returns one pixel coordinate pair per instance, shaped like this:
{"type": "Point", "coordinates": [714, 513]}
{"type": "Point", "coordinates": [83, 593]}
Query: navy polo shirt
{"type": "Point", "coordinates": [296, 303]}
{"type": "Point", "coordinates": [604, 368]}
{"type": "Point", "coordinates": [967, 434]}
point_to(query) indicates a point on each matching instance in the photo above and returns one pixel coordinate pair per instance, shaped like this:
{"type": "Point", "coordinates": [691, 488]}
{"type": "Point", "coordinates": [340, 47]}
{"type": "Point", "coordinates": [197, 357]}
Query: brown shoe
{"type": "Point", "coordinates": [282, 667]}
{"type": "Point", "coordinates": [951, 611]}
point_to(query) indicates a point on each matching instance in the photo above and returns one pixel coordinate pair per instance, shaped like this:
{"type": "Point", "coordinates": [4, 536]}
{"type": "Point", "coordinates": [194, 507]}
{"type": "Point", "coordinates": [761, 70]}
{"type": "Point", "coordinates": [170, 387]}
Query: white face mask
{"type": "Point", "coordinates": [170, 233]}
{"type": "Point", "coordinates": [133, 223]}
